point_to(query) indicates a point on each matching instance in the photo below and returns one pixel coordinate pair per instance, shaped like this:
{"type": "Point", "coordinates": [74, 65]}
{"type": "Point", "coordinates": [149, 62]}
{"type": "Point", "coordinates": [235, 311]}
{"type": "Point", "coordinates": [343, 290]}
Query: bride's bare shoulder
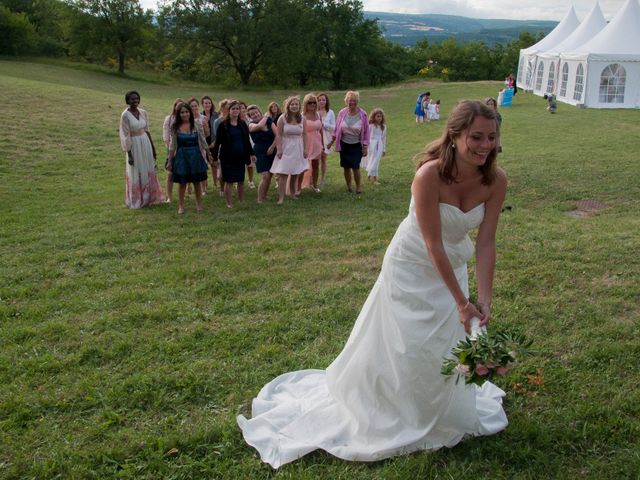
{"type": "Point", "coordinates": [428, 173]}
{"type": "Point", "coordinates": [426, 181]}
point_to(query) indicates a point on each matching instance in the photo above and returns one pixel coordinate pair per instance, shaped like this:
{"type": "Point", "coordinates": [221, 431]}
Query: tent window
{"type": "Point", "coordinates": [530, 67]}
{"type": "Point", "coordinates": [520, 68]}
{"type": "Point", "coordinates": [552, 78]}
{"type": "Point", "coordinates": [565, 79]}
{"type": "Point", "coordinates": [540, 75]}
{"type": "Point", "coordinates": [579, 88]}
{"type": "Point", "coordinates": [612, 81]}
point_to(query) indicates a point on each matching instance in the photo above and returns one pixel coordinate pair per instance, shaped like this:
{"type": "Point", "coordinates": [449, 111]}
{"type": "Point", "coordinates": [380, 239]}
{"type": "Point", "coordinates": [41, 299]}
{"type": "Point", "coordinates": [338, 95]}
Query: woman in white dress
{"type": "Point", "coordinates": [290, 160]}
{"type": "Point", "coordinates": [328, 126]}
{"type": "Point", "coordinates": [142, 186]}
{"type": "Point", "coordinates": [384, 394]}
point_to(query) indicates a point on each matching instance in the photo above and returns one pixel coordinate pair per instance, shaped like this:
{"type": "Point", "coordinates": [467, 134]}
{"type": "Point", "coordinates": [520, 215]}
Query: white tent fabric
{"type": "Point", "coordinates": [604, 72]}
{"type": "Point", "coordinates": [556, 78]}
{"type": "Point", "coordinates": [527, 75]}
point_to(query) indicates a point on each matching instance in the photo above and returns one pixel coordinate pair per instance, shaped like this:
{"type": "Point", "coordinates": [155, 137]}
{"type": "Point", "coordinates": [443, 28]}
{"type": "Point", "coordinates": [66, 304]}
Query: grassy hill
{"type": "Point", "coordinates": [129, 340]}
{"type": "Point", "coordinates": [407, 29]}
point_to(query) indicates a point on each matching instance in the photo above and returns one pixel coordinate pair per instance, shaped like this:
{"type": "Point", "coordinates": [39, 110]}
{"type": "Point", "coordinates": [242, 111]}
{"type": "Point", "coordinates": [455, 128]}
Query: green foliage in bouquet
{"type": "Point", "coordinates": [478, 358]}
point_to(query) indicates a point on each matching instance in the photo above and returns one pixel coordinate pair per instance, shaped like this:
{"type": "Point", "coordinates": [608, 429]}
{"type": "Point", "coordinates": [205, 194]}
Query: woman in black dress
{"type": "Point", "coordinates": [263, 133]}
{"type": "Point", "coordinates": [233, 149]}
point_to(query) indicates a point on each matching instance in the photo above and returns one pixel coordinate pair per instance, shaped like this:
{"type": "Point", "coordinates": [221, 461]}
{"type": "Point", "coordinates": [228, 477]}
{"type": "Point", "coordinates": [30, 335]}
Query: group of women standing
{"type": "Point", "coordinates": [291, 145]}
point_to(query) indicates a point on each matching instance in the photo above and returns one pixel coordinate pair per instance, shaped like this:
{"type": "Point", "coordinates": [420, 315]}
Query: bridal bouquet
{"type": "Point", "coordinates": [481, 355]}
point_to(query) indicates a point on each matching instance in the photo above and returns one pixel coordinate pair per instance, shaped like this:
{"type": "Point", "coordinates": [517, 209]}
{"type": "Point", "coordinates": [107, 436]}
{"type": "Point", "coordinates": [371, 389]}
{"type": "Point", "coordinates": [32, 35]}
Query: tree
{"type": "Point", "coordinates": [237, 28]}
{"type": "Point", "coordinates": [18, 34]}
{"type": "Point", "coordinates": [346, 41]}
{"type": "Point", "coordinates": [110, 24]}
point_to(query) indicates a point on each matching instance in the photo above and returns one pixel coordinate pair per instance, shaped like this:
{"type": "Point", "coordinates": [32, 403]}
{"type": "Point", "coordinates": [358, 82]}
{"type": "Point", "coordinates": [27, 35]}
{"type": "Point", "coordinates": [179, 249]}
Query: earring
{"type": "Point", "coordinates": [453, 145]}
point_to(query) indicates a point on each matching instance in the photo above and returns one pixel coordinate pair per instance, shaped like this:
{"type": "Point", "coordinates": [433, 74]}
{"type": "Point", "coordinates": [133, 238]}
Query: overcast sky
{"type": "Point", "coordinates": [518, 9]}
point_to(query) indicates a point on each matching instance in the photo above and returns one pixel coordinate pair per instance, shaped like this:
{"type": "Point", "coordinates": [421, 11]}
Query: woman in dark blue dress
{"type": "Point", "coordinates": [233, 148]}
{"type": "Point", "coordinates": [186, 163]}
{"type": "Point", "coordinates": [263, 133]}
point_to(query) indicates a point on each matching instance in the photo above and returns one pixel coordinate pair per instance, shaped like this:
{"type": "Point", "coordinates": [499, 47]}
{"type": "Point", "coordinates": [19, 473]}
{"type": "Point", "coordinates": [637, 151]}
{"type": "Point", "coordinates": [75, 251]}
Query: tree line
{"type": "Point", "coordinates": [282, 43]}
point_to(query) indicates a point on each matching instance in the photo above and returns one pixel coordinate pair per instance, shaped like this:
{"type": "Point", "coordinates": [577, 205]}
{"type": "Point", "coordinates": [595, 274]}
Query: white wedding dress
{"type": "Point", "coordinates": [384, 394]}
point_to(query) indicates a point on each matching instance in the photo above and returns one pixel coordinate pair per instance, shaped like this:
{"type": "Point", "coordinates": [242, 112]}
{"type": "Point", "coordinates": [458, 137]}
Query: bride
{"type": "Point", "coordinates": [384, 394]}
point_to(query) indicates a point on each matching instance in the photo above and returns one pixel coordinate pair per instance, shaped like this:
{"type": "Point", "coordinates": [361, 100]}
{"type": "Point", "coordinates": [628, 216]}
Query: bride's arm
{"type": "Point", "coordinates": [425, 190]}
{"type": "Point", "coordinates": [486, 245]}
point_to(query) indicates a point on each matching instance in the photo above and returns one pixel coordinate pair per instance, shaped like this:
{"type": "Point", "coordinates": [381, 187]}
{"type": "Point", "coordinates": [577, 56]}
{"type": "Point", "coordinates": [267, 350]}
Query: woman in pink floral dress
{"type": "Point", "coordinates": [142, 185]}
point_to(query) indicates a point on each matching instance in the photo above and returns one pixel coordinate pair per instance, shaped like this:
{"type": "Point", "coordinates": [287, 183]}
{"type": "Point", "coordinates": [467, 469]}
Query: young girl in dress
{"type": "Point", "coordinates": [314, 144]}
{"type": "Point", "coordinates": [233, 149]}
{"type": "Point", "coordinates": [166, 138]}
{"type": "Point", "coordinates": [434, 110]}
{"type": "Point", "coordinates": [328, 126]}
{"type": "Point", "coordinates": [377, 144]}
{"type": "Point", "coordinates": [291, 146]}
{"type": "Point", "coordinates": [186, 161]}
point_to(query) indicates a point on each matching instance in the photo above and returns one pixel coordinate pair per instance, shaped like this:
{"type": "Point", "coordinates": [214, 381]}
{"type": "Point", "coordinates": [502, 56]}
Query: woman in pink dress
{"type": "Point", "coordinates": [315, 144]}
{"type": "Point", "coordinates": [290, 160]}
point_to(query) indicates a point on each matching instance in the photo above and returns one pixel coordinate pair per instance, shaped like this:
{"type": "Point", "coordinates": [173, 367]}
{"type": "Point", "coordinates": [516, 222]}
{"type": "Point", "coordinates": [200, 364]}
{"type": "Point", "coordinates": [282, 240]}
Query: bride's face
{"type": "Point", "coordinates": [474, 145]}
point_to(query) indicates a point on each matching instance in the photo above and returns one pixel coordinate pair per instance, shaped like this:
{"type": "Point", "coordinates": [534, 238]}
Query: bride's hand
{"type": "Point", "coordinates": [467, 312]}
{"type": "Point", "coordinates": [485, 308]}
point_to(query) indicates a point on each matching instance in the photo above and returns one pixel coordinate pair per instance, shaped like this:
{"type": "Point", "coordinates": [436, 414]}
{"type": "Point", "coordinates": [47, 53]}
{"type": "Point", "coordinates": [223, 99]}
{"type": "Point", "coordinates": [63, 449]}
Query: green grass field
{"type": "Point", "coordinates": [130, 339]}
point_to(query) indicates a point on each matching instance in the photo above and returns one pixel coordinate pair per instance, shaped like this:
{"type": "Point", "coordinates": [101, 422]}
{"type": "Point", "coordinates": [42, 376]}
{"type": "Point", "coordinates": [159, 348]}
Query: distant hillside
{"type": "Point", "coordinates": [407, 29]}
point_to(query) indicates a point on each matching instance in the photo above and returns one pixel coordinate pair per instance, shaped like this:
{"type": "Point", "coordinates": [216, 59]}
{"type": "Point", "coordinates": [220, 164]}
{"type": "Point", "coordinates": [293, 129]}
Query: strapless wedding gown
{"type": "Point", "coordinates": [384, 394]}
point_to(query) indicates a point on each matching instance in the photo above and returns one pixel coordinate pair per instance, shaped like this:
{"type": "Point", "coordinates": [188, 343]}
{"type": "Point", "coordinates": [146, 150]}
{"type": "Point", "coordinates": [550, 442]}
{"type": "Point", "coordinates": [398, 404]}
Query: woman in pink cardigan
{"type": "Point", "coordinates": [352, 138]}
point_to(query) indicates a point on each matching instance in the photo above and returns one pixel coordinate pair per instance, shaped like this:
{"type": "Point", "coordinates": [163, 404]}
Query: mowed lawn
{"type": "Point", "coordinates": [130, 339]}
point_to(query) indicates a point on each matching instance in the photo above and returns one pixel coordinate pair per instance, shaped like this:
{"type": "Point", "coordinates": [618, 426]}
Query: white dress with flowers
{"type": "Point", "coordinates": [384, 394]}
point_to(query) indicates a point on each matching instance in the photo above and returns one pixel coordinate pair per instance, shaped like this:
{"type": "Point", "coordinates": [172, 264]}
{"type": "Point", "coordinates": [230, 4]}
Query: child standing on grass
{"type": "Point", "coordinates": [434, 110]}
{"type": "Point", "coordinates": [377, 144]}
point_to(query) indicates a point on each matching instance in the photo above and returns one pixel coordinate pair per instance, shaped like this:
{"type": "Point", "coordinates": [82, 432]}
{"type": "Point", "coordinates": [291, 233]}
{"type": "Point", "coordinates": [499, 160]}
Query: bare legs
{"type": "Point", "coordinates": [182, 189]}
{"type": "Point", "coordinates": [263, 188]}
{"type": "Point", "coordinates": [198, 188]}
{"type": "Point", "coordinates": [294, 188]}
{"type": "Point", "coordinates": [214, 173]}
{"type": "Point", "coordinates": [323, 169]}
{"type": "Point", "coordinates": [314, 173]}
{"type": "Point", "coordinates": [356, 177]}
{"type": "Point", "coordinates": [228, 194]}
{"type": "Point", "coordinates": [282, 188]}
{"type": "Point", "coordinates": [169, 187]}
{"type": "Point", "coordinates": [181, 194]}
{"type": "Point", "coordinates": [250, 175]}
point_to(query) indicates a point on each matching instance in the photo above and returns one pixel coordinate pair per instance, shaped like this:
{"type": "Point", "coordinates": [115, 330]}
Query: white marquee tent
{"type": "Point", "coordinates": [528, 56]}
{"type": "Point", "coordinates": [555, 78]}
{"type": "Point", "coordinates": [604, 72]}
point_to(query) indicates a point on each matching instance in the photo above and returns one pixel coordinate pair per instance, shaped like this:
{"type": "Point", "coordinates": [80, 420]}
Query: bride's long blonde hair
{"type": "Point", "coordinates": [442, 149]}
